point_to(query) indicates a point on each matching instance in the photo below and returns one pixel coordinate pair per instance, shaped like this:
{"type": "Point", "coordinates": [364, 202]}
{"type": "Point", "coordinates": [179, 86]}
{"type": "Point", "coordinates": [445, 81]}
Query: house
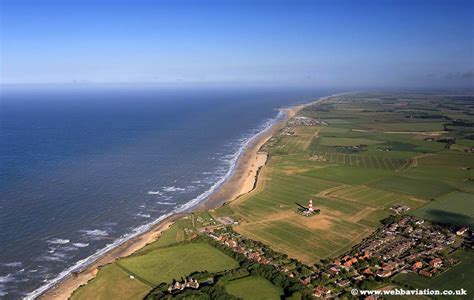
{"type": "Point", "coordinates": [358, 278]}
{"type": "Point", "coordinates": [425, 273]}
{"type": "Point", "coordinates": [321, 292]}
{"type": "Point", "coordinates": [436, 263]}
{"type": "Point", "coordinates": [344, 283]}
{"type": "Point", "coordinates": [333, 271]}
{"type": "Point", "coordinates": [368, 272]}
{"type": "Point", "coordinates": [462, 230]}
{"type": "Point", "coordinates": [384, 273]}
{"type": "Point", "coordinates": [417, 265]}
{"type": "Point", "coordinates": [348, 263]}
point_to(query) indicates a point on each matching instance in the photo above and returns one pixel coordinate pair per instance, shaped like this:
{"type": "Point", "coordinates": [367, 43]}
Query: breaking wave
{"type": "Point", "coordinates": [173, 189]}
{"type": "Point", "coordinates": [58, 241]}
{"type": "Point", "coordinates": [154, 193]}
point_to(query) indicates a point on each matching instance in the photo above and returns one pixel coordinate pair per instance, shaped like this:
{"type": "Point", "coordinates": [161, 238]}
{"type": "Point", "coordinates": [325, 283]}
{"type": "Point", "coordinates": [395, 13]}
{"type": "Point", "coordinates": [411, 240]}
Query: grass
{"type": "Point", "coordinates": [112, 283]}
{"type": "Point", "coordinates": [150, 267]}
{"type": "Point", "coordinates": [422, 187]}
{"type": "Point", "coordinates": [455, 208]}
{"type": "Point", "coordinates": [333, 141]}
{"type": "Point", "coordinates": [348, 175]}
{"type": "Point", "coordinates": [253, 287]}
{"type": "Point", "coordinates": [375, 198]}
{"type": "Point", "coordinates": [166, 264]}
{"type": "Point", "coordinates": [173, 235]}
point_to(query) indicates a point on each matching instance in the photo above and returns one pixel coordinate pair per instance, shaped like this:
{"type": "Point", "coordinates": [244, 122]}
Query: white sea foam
{"type": "Point", "coordinates": [81, 264]}
{"type": "Point", "coordinates": [154, 193]}
{"type": "Point", "coordinates": [81, 245]}
{"type": "Point", "coordinates": [3, 280]}
{"type": "Point", "coordinates": [143, 215]}
{"type": "Point", "coordinates": [7, 278]}
{"type": "Point", "coordinates": [165, 203]}
{"type": "Point", "coordinates": [53, 257]}
{"type": "Point", "coordinates": [95, 232]}
{"type": "Point", "coordinates": [14, 264]}
{"type": "Point", "coordinates": [173, 189]}
{"type": "Point", "coordinates": [58, 241]}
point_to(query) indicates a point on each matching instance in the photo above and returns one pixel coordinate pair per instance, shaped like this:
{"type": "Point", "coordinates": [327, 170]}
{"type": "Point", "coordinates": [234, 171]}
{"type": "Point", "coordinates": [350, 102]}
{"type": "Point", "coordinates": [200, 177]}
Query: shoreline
{"type": "Point", "coordinates": [241, 181]}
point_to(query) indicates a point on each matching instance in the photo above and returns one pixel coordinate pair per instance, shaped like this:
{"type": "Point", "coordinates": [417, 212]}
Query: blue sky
{"type": "Point", "coordinates": [330, 43]}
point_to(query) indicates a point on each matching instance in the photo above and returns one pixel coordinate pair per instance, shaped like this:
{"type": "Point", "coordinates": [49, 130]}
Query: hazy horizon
{"type": "Point", "coordinates": [333, 44]}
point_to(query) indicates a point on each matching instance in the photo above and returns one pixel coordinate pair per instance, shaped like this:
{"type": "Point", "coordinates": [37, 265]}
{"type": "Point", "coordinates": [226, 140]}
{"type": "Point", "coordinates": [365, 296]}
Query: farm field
{"type": "Point", "coordinates": [253, 287]}
{"type": "Point", "coordinates": [371, 156]}
{"type": "Point", "coordinates": [151, 267]}
{"type": "Point", "coordinates": [455, 208]}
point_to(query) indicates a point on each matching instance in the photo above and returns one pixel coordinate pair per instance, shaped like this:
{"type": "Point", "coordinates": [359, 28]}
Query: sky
{"type": "Point", "coordinates": [331, 43]}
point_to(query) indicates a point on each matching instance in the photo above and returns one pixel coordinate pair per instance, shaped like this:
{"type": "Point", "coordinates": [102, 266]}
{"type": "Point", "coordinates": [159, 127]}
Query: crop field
{"type": "Point", "coordinates": [299, 142]}
{"type": "Point", "coordinates": [253, 287]}
{"type": "Point", "coordinates": [362, 161]}
{"type": "Point", "coordinates": [270, 216]}
{"type": "Point", "coordinates": [376, 198]}
{"type": "Point", "coordinates": [455, 208]}
{"type": "Point", "coordinates": [406, 126]}
{"type": "Point", "coordinates": [336, 141]}
{"type": "Point", "coordinates": [371, 156]}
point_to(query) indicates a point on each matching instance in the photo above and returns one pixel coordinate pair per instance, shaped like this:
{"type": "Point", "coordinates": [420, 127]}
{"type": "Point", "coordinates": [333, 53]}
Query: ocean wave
{"type": "Point", "coordinates": [143, 215]}
{"type": "Point", "coordinates": [95, 232]}
{"type": "Point", "coordinates": [3, 280]}
{"type": "Point", "coordinates": [57, 241]}
{"type": "Point", "coordinates": [165, 203]}
{"type": "Point", "coordinates": [54, 257]}
{"type": "Point", "coordinates": [81, 264]}
{"type": "Point", "coordinates": [14, 264]}
{"type": "Point", "coordinates": [154, 193]}
{"type": "Point", "coordinates": [80, 245]}
{"type": "Point", "coordinates": [7, 278]}
{"type": "Point", "coordinates": [173, 189]}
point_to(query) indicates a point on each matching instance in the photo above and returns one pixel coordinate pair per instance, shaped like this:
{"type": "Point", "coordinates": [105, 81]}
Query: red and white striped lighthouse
{"type": "Point", "coordinates": [310, 205]}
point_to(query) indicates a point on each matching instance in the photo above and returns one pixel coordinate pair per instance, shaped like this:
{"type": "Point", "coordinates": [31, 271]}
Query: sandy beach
{"type": "Point", "coordinates": [241, 182]}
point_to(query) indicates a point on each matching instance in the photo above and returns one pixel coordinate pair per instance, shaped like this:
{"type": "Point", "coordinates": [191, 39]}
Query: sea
{"type": "Point", "coordinates": [85, 168]}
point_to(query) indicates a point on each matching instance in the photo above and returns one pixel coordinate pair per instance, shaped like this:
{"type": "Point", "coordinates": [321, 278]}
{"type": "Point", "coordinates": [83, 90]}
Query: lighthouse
{"type": "Point", "coordinates": [310, 206]}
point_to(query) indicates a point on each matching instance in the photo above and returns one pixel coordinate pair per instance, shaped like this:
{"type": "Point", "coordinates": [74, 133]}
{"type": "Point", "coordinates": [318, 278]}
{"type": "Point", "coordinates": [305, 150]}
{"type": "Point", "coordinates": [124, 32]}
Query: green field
{"type": "Point", "coordinates": [166, 264]}
{"type": "Point", "coordinates": [253, 287]}
{"type": "Point", "coordinates": [112, 282]}
{"type": "Point", "coordinates": [151, 267]}
{"type": "Point", "coordinates": [455, 208]}
{"type": "Point", "coordinates": [373, 155]}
